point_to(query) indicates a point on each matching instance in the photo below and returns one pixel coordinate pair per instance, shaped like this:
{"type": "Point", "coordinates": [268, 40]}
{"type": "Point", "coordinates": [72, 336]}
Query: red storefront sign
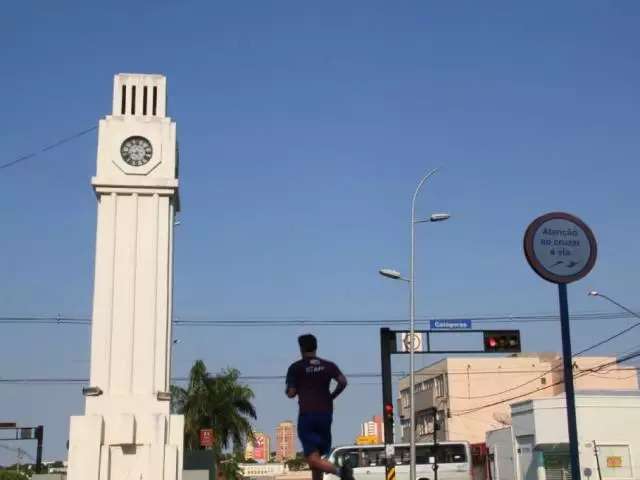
{"type": "Point", "coordinates": [206, 437]}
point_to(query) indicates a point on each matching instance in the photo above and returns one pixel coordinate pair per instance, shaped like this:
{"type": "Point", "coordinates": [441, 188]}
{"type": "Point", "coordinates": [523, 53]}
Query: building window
{"type": "Point", "coordinates": [404, 398]}
{"type": "Point", "coordinates": [439, 386]}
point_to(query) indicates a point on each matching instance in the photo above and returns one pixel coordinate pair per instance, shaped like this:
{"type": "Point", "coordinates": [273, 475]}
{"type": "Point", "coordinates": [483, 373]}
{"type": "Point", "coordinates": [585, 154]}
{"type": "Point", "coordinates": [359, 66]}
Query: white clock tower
{"type": "Point", "coordinates": [127, 432]}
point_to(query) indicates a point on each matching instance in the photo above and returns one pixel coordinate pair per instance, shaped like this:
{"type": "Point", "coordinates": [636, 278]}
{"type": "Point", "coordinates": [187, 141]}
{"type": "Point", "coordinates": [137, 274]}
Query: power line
{"type": "Point", "coordinates": [47, 148]}
{"type": "Point", "coordinates": [608, 339]}
{"type": "Point", "coordinates": [249, 378]}
{"type": "Point", "coordinates": [59, 319]}
{"type": "Point", "coordinates": [595, 345]}
{"type": "Point", "coordinates": [272, 322]}
{"type": "Point", "coordinates": [583, 373]}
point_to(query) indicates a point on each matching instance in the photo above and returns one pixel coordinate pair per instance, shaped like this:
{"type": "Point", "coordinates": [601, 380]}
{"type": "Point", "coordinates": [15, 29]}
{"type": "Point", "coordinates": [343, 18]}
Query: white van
{"type": "Point", "coordinates": [368, 461]}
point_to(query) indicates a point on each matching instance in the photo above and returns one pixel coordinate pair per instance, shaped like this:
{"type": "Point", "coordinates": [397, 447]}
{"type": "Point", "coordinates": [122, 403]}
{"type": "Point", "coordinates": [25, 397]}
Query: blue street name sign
{"type": "Point", "coordinates": [450, 324]}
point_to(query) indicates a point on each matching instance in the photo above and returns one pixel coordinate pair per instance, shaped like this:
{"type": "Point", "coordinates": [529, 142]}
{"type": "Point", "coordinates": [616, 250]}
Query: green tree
{"type": "Point", "coordinates": [219, 402]}
{"type": "Point", "coordinates": [12, 475]}
{"type": "Point", "coordinates": [229, 468]}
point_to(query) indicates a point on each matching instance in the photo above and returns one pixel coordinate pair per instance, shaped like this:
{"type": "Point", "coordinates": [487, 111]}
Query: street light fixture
{"type": "Point", "coordinates": [91, 391]}
{"type": "Point", "coordinates": [595, 293]}
{"type": "Point", "coordinates": [393, 274]}
{"type": "Point", "coordinates": [439, 217]}
{"type": "Point", "coordinates": [435, 217]}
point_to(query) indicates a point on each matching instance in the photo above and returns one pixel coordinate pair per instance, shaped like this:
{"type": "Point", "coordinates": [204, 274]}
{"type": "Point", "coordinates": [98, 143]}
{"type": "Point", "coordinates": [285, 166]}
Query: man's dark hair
{"type": "Point", "coordinates": [308, 343]}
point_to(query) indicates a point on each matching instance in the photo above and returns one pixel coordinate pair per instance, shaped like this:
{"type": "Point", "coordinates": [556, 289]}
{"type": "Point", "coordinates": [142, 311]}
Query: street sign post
{"type": "Point", "coordinates": [561, 248]}
{"type": "Point", "coordinates": [22, 433]}
{"type": "Point", "coordinates": [450, 324]}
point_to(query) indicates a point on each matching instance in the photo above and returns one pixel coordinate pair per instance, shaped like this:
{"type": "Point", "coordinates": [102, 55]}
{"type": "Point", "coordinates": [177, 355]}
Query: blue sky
{"type": "Point", "coordinates": [303, 130]}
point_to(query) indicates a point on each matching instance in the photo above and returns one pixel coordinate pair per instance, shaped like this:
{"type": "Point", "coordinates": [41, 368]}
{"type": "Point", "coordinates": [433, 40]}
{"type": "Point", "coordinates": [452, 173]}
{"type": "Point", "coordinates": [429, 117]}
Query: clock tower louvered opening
{"type": "Point", "coordinates": [139, 95]}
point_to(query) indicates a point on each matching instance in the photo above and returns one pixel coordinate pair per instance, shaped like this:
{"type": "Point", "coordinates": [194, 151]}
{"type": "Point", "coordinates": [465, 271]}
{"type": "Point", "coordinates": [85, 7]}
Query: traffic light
{"type": "Point", "coordinates": [388, 412]}
{"type": "Point", "coordinates": [496, 341]}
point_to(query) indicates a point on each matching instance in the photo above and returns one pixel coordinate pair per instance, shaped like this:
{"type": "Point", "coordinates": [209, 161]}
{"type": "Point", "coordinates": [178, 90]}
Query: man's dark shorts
{"type": "Point", "coordinates": [314, 432]}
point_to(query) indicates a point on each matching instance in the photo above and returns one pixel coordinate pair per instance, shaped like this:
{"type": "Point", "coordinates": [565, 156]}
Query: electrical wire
{"type": "Point", "coordinates": [47, 148]}
{"type": "Point", "coordinates": [247, 378]}
{"type": "Point", "coordinates": [583, 373]}
{"type": "Point", "coordinates": [585, 350]}
{"type": "Point", "coordinates": [59, 319]}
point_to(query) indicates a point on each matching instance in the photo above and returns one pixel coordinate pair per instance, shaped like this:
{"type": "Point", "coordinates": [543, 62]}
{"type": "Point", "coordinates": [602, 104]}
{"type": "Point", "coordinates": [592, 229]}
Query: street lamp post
{"type": "Point", "coordinates": [437, 217]}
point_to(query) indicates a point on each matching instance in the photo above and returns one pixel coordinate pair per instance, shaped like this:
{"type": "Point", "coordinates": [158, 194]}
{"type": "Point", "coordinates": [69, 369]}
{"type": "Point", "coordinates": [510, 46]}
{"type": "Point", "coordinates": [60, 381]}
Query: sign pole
{"type": "Point", "coordinates": [561, 248]}
{"type": "Point", "coordinates": [568, 381]}
{"type": "Point", "coordinates": [387, 338]}
{"type": "Point", "coordinates": [39, 435]}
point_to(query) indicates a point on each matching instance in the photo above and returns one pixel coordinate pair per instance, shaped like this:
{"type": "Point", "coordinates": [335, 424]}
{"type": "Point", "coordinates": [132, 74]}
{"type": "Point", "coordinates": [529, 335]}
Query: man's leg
{"type": "Point", "coordinates": [317, 475]}
{"type": "Point", "coordinates": [319, 465]}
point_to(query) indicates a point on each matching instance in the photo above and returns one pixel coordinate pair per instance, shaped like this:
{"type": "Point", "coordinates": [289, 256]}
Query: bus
{"type": "Point", "coordinates": [368, 461]}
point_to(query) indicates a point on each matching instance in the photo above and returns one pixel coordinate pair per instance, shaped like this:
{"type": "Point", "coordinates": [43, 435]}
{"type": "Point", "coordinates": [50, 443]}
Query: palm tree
{"type": "Point", "coordinates": [229, 468]}
{"type": "Point", "coordinates": [218, 402]}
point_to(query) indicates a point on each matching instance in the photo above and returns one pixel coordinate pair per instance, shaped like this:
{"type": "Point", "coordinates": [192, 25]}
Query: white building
{"type": "Point", "coordinates": [369, 428]}
{"type": "Point", "coordinates": [536, 447]}
{"type": "Point", "coordinates": [373, 428]}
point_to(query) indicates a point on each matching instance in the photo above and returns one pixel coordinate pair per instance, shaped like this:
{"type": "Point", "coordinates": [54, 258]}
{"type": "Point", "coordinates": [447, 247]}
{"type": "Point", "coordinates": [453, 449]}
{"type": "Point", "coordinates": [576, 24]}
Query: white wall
{"type": "Point", "coordinates": [500, 444]}
{"type": "Point", "coordinates": [195, 475]}
{"type": "Point", "coordinates": [609, 420]}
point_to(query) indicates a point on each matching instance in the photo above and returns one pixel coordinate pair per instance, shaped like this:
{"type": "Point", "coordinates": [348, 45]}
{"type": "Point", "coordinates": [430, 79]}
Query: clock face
{"type": "Point", "coordinates": [136, 151]}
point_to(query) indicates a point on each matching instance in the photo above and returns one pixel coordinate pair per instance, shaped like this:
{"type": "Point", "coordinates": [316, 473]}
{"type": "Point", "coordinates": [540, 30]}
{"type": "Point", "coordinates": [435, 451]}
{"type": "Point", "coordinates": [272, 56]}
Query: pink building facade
{"type": "Point", "coordinates": [472, 395]}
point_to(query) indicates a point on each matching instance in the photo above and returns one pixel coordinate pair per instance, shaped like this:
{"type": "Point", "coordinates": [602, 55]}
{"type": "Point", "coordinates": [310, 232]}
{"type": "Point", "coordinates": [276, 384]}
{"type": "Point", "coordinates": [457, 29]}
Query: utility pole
{"type": "Point", "coordinates": [39, 434]}
{"type": "Point", "coordinates": [435, 443]}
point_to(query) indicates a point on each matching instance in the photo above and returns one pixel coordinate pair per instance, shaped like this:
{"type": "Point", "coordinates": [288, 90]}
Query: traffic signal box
{"type": "Point", "coordinates": [498, 341]}
{"type": "Point", "coordinates": [495, 341]}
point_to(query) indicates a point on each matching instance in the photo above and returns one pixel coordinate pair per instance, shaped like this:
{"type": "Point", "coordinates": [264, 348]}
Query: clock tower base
{"type": "Point", "coordinates": [146, 447]}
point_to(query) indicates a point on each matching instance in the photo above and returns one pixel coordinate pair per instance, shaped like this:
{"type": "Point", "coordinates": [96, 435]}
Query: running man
{"type": "Point", "coordinates": [310, 379]}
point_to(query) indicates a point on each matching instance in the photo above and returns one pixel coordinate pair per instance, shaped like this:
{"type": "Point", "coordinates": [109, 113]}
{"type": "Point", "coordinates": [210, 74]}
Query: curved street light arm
{"type": "Point", "coordinates": [412, 311]}
{"type": "Point", "coordinates": [619, 305]}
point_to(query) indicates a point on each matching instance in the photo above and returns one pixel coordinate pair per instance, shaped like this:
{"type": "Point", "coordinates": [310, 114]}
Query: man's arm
{"type": "Point", "coordinates": [290, 390]}
{"type": "Point", "coordinates": [342, 383]}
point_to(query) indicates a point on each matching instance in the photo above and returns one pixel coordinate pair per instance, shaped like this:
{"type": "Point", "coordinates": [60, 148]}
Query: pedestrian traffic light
{"type": "Point", "coordinates": [496, 341]}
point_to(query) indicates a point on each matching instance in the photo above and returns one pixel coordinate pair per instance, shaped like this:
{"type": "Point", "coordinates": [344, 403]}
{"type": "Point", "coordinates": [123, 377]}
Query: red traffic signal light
{"type": "Point", "coordinates": [496, 341]}
{"type": "Point", "coordinates": [388, 410]}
